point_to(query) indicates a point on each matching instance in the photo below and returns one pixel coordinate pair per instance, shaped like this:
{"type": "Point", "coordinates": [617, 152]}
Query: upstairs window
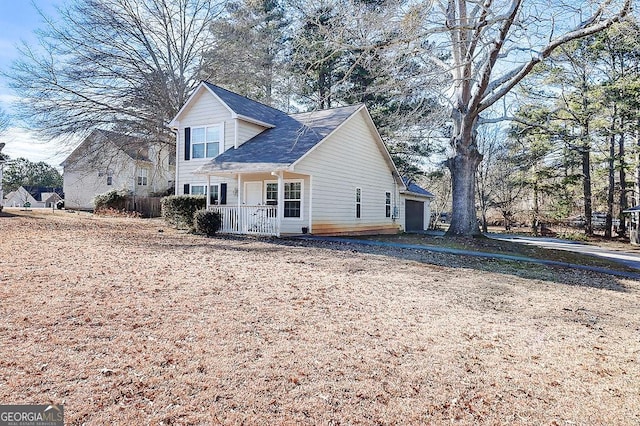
{"type": "Point", "coordinates": [358, 202]}
{"type": "Point", "coordinates": [143, 177]}
{"type": "Point", "coordinates": [205, 142]}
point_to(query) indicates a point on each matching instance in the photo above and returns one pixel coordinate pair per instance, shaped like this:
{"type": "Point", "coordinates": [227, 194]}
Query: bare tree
{"type": "Point", "coordinates": [493, 46]}
{"type": "Point", "coordinates": [484, 48]}
{"type": "Point", "coordinates": [124, 65]}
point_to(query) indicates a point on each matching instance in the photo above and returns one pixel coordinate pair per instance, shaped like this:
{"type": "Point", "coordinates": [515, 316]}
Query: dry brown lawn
{"type": "Point", "coordinates": [125, 324]}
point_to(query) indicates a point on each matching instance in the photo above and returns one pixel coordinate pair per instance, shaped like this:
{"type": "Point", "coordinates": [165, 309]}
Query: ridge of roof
{"type": "Point", "coordinates": [245, 106]}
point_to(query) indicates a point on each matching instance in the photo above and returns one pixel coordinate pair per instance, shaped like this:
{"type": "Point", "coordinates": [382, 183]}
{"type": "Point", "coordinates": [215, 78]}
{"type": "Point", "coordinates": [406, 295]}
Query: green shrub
{"type": "Point", "coordinates": [114, 199]}
{"type": "Point", "coordinates": [178, 210]}
{"type": "Point", "coordinates": [207, 222]}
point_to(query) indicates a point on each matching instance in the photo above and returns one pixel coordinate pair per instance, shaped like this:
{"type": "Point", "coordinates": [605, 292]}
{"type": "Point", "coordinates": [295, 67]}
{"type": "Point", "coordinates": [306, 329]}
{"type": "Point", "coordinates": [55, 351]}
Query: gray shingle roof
{"type": "Point", "coordinates": [415, 188]}
{"type": "Point", "coordinates": [275, 148]}
{"type": "Point", "coordinates": [245, 106]}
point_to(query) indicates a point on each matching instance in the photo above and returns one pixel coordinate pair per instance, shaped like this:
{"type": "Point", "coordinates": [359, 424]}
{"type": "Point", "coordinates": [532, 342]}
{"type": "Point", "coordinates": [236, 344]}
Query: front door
{"type": "Point", "coordinates": [253, 193]}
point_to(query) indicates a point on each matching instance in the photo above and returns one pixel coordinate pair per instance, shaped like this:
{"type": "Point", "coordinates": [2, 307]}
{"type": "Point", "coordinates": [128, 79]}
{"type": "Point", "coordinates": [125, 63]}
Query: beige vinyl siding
{"type": "Point", "coordinates": [205, 110]}
{"type": "Point", "coordinates": [247, 130]}
{"type": "Point", "coordinates": [350, 159]}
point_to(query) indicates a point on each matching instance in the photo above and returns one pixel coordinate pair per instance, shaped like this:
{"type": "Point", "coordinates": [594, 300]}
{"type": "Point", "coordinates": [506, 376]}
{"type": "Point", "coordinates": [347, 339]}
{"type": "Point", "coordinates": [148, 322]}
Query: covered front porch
{"type": "Point", "coordinates": [264, 204]}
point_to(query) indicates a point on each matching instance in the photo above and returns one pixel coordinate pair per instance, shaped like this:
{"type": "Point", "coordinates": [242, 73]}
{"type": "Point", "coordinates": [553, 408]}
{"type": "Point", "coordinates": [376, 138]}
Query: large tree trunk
{"type": "Point", "coordinates": [463, 167]}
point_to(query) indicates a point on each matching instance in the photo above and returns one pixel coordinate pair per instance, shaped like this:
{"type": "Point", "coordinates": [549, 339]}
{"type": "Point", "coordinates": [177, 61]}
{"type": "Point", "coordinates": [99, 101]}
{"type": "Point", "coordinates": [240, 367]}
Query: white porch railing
{"type": "Point", "coordinates": [254, 220]}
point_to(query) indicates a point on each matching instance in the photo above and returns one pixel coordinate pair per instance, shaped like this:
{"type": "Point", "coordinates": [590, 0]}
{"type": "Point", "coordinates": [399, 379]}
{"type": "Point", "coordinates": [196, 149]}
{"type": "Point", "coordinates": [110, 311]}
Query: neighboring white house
{"type": "Point", "coordinates": [37, 197]}
{"type": "Point", "coordinates": [267, 172]}
{"type": "Point", "coordinates": [107, 160]}
{"type": "Point", "coordinates": [19, 198]}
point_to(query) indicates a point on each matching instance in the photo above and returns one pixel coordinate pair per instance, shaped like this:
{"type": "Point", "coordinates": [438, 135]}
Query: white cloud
{"type": "Point", "coordinates": [25, 144]}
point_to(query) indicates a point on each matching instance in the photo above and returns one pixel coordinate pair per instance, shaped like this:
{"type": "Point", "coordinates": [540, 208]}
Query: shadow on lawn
{"type": "Point", "coordinates": [530, 270]}
{"type": "Point", "coordinates": [5, 213]}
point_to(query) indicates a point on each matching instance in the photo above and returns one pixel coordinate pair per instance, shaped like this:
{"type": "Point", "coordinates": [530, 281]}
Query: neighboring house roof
{"type": "Point", "coordinates": [21, 195]}
{"type": "Point", "coordinates": [135, 148]}
{"type": "Point", "coordinates": [415, 189]}
{"type": "Point", "coordinates": [46, 197]}
{"type": "Point", "coordinates": [38, 192]}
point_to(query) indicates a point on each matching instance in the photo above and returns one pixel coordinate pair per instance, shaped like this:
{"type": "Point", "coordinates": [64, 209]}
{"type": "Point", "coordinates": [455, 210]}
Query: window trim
{"type": "Point", "coordinates": [387, 204]}
{"type": "Point", "coordinates": [207, 191]}
{"type": "Point", "coordinates": [220, 128]}
{"type": "Point", "coordinates": [285, 181]}
{"type": "Point", "coordinates": [142, 178]}
{"type": "Point", "coordinates": [198, 185]}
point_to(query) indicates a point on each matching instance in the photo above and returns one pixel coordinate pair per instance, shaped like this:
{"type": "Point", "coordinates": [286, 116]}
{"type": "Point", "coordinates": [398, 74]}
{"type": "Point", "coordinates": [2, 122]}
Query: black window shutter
{"type": "Point", "coordinates": [223, 193]}
{"type": "Point", "coordinates": [186, 189]}
{"type": "Point", "coordinates": [187, 143]}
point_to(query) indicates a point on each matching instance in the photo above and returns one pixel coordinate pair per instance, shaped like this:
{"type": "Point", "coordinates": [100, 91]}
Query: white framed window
{"type": "Point", "coordinates": [292, 197]}
{"type": "Point", "coordinates": [143, 177]}
{"type": "Point", "coordinates": [271, 191]}
{"type": "Point", "coordinates": [109, 177]}
{"type": "Point", "coordinates": [205, 141]}
{"type": "Point", "coordinates": [198, 190]}
{"type": "Point", "coordinates": [213, 192]}
{"type": "Point", "coordinates": [358, 202]}
{"type": "Point", "coordinates": [387, 204]}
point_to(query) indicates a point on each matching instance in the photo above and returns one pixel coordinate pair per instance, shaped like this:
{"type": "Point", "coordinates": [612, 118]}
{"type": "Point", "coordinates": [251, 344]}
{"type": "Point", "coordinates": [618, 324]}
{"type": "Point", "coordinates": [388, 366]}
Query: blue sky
{"type": "Point", "coordinates": [18, 21]}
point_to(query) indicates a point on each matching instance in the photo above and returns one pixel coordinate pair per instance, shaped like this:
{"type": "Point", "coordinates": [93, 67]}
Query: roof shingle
{"type": "Point", "coordinates": [280, 146]}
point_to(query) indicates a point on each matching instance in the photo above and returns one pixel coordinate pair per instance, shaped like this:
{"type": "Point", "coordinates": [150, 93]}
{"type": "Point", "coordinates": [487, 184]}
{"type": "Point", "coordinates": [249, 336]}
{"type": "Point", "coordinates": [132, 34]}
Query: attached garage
{"type": "Point", "coordinates": [417, 207]}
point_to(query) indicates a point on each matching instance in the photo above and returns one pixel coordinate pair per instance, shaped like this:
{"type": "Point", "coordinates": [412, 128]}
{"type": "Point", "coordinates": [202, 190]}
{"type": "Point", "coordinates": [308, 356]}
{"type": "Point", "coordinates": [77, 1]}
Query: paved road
{"type": "Point", "coordinates": [626, 258]}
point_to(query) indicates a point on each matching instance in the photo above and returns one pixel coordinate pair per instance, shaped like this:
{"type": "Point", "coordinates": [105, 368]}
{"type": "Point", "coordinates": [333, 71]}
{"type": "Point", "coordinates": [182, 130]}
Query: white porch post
{"type": "Point", "coordinates": [310, 204]}
{"type": "Point", "coordinates": [239, 194]}
{"type": "Point", "coordinates": [280, 201]}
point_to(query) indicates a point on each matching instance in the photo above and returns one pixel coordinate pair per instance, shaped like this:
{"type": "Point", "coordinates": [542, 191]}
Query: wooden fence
{"type": "Point", "coordinates": [146, 206]}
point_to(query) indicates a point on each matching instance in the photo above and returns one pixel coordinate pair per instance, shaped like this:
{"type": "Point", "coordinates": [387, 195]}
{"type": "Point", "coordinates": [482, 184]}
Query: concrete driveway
{"type": "Point", "coordinates": [627, 258]}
